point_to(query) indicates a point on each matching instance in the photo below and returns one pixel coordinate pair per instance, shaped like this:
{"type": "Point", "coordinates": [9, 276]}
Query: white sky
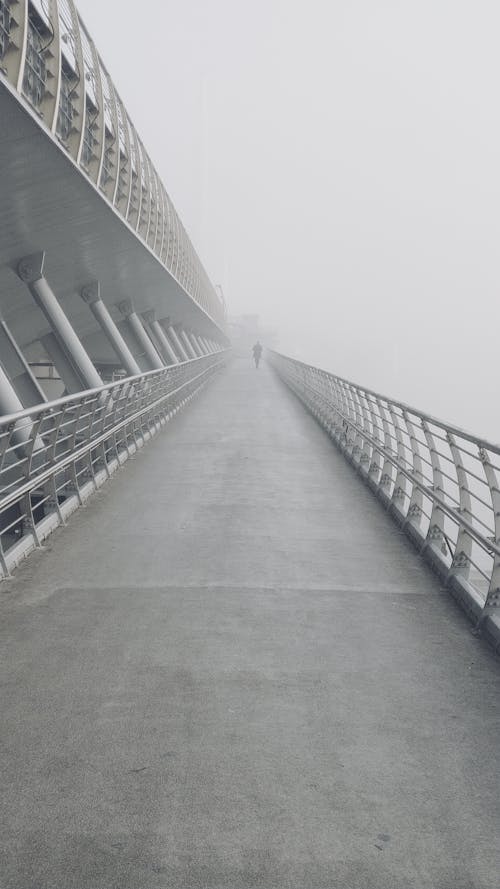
{"type": "Point", "coordinates": [336, 165]}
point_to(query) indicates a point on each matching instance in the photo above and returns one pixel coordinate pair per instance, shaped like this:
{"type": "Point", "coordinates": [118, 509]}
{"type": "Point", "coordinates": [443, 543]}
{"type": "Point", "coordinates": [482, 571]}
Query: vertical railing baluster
{"type": "Point", "coordinates": [386, 479]}
{"type": "Point", "coordinates": [435, 533]}
{"type": "Point", "coordinates": [398, 499]}
{"type": "Point", "coordinates": [492, 602]}
{"type": "Point", "coordinates": [463, 547]}
{"type": "Point", "coordinates": [28, 466]}
{"type": "Point", "coordinates": [407, 463]}
{"type": "Point", "coordinates": [414, 512]}
{"type": "Point", "coordinates": [375, 468]}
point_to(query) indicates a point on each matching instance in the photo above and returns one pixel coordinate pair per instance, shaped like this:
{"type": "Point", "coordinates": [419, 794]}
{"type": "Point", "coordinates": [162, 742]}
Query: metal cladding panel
{"type": "Point", "coordinates": [76, 112]}
{"type": "Point", "coordinates": [47, 205]}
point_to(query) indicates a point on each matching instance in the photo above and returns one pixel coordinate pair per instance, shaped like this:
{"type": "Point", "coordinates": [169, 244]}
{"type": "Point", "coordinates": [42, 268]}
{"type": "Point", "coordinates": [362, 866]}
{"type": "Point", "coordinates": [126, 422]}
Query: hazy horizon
{"type": "Point", "coordinates": [336, 167]}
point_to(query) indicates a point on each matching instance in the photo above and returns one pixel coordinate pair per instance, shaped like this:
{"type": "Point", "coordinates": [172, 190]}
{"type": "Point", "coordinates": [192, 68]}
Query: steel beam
{"type": "Point", "coordinates": [30, 270]}
{"type": "Point", "coordinates": [91, 294]}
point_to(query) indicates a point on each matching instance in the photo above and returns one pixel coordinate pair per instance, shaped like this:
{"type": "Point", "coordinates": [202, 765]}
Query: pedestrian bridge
{"type": "Point", "coordinates": [248, 618]}
{"type": "Point", "coordinates": [235, 669]}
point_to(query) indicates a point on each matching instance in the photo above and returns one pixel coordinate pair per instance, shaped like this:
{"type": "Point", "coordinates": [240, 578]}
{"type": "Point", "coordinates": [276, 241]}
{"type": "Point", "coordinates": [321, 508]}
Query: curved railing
{"type": "Point", "coordinates": [49, 59]}
{"type": "Point", "coordinates": [440, 483]}
{"type": "Point", "coordinates": [53, 456]}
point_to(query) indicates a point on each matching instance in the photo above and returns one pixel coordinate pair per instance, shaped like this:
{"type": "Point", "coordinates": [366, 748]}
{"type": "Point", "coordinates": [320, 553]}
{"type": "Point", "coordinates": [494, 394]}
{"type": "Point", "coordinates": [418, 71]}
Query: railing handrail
{"type": "Point", "coordinates": [52, 456]}
{"type": "Point", "coordinates": [438, 481]}
{"type": "Point", "coordinates": [55, 404]}
{"type": "Point", "coordinates": [39, 479]}
{"type": "Point", "coordinates": [429, 418]}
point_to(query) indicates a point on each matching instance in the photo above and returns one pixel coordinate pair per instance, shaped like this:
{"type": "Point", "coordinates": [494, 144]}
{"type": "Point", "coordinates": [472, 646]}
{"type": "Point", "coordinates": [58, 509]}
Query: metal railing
{"type": "Point", "coordinates": [53, 456]}
{"type": "Point", "coordinates": [440, 483]}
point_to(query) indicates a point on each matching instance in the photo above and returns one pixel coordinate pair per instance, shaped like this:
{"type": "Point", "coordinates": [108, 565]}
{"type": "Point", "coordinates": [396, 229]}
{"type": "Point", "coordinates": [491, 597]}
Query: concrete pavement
{"type": "Point", "coordinates": [232, 671]}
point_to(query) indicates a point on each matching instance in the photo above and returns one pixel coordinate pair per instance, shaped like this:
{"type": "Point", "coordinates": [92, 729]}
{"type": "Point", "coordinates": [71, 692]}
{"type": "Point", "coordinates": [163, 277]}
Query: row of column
{"type": "Point", "coordinates": [161, 343]}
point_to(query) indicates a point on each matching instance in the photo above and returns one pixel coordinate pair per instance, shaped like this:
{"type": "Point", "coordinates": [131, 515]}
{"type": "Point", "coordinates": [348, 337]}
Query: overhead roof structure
{"type": "Point", "coordinates": [78, 185]}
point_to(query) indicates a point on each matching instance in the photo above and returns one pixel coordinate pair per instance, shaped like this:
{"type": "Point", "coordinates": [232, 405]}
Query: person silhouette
{"type": "Point", "coordinates": [257, 352]}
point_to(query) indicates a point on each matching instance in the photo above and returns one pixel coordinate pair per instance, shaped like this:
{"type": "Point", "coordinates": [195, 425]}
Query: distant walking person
{"type": "Point", "coordinates": [257, 352]}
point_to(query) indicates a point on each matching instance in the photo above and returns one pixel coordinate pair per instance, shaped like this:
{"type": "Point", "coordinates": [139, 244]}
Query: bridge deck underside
{"type": "Point", "coordinates": [231, 670]}
{"type": "Point", "coordinates": [48, 205]}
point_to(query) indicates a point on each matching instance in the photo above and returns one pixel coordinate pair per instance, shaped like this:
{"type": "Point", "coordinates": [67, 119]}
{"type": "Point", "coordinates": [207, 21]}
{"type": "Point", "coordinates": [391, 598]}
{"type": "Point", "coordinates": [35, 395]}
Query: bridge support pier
{"type": "Point", "coordinates": [30, 271]}
{"type": "Point", "coordinates": [18, 371]}
{"type": "Point", "coordinates": [195, 344]}
{"type": "Point", "coordinates": [173, 335]}
{"type": "Point", "coordinates": [189, 348]}
{"type": "Point", "coordinates": [201, 344]}
{"type": "Point", "coordinates": [141, 336]}
{"type": "Point", "coordinates": [10, 403]}
{"type": "Point", "coordinates": [166, 349]}
{"type": "Point", "coordinates": [92, 296]}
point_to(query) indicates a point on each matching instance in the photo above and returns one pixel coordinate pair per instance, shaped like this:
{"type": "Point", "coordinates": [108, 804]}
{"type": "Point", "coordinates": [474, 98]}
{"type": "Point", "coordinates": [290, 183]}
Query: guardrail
{"type": "Point", "coordinates": [55, 455]}
{"type": "Point", "coordinates": [439, 483]}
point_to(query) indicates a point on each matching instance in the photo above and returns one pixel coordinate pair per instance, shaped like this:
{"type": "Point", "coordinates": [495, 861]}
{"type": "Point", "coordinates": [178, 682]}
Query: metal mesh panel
{"type": "Point", "coordinates": [89, 140]}
{"type": "Point", "coordinates": [5, 23]}
{"type": "Point", "coordinates": [35, 69]}
{"type": "Point", "coordinates": [88, 63]}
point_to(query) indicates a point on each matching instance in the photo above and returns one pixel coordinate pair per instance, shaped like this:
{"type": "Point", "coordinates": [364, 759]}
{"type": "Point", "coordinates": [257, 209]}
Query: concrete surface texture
{"type": "Point", "coordinates": [231, 671]}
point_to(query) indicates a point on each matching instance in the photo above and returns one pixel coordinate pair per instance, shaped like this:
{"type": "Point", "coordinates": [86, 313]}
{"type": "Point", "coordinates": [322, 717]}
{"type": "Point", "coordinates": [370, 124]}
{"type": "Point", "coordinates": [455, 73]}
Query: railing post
{"type": "Point", "coordinates": [492, 602]}
{"type": "Point", "coordinates": [435, 533]}
{"type": "Point", "coordinates": [368, 425]}
{"type": "Point", "coordinates": [399, 494]}
{"type": "Point", "coordinates": [463, 547]}
{"type": "Point", "coordinates": [414, 512]}
{"type": "Point", "coordinates": [385, 485]}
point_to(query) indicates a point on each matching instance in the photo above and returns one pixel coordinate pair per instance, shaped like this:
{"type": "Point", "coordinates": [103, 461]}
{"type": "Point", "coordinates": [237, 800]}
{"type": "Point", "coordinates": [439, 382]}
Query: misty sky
{"type": "Point", "coordinates": [336, 166]}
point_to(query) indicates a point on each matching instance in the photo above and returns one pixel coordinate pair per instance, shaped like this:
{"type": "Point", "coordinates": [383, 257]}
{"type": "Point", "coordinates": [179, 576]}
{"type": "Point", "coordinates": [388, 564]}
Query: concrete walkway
{"type": "Point", "coordinates": [231, 671]}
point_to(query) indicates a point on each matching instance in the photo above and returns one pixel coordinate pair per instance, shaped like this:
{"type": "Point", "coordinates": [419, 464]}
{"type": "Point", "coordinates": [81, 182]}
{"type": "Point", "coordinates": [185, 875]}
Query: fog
{"type": "Point", "coordinates": [336, 166]}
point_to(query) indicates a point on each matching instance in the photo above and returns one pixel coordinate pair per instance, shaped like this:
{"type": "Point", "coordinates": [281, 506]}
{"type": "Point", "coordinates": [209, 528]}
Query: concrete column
{"type": "Point", "coordinates": [201, 344]}
{"type": "Point", "coordinates": [18, 371]}
{"type": "Point", "coordinates": [182, 351]}
{"type": "Point", "coordinates": [91, 294]}
{"type": "Point", "coordinates": [30, 270]}
{"type": "Point", "coordinates": [70, 378]}
{"type": "Point", "coordinates": [10, 403]}
{"type": "Point", "coordinates": [165, 326]}
{"type": "Point", "coordinates": [186, 341]}
{"type": "Point", "coordinates": [167, 350]}
{"type": "Point", "coordinates": [141, 336]}
{"type": "Point", "coordinates": [195, 344]}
